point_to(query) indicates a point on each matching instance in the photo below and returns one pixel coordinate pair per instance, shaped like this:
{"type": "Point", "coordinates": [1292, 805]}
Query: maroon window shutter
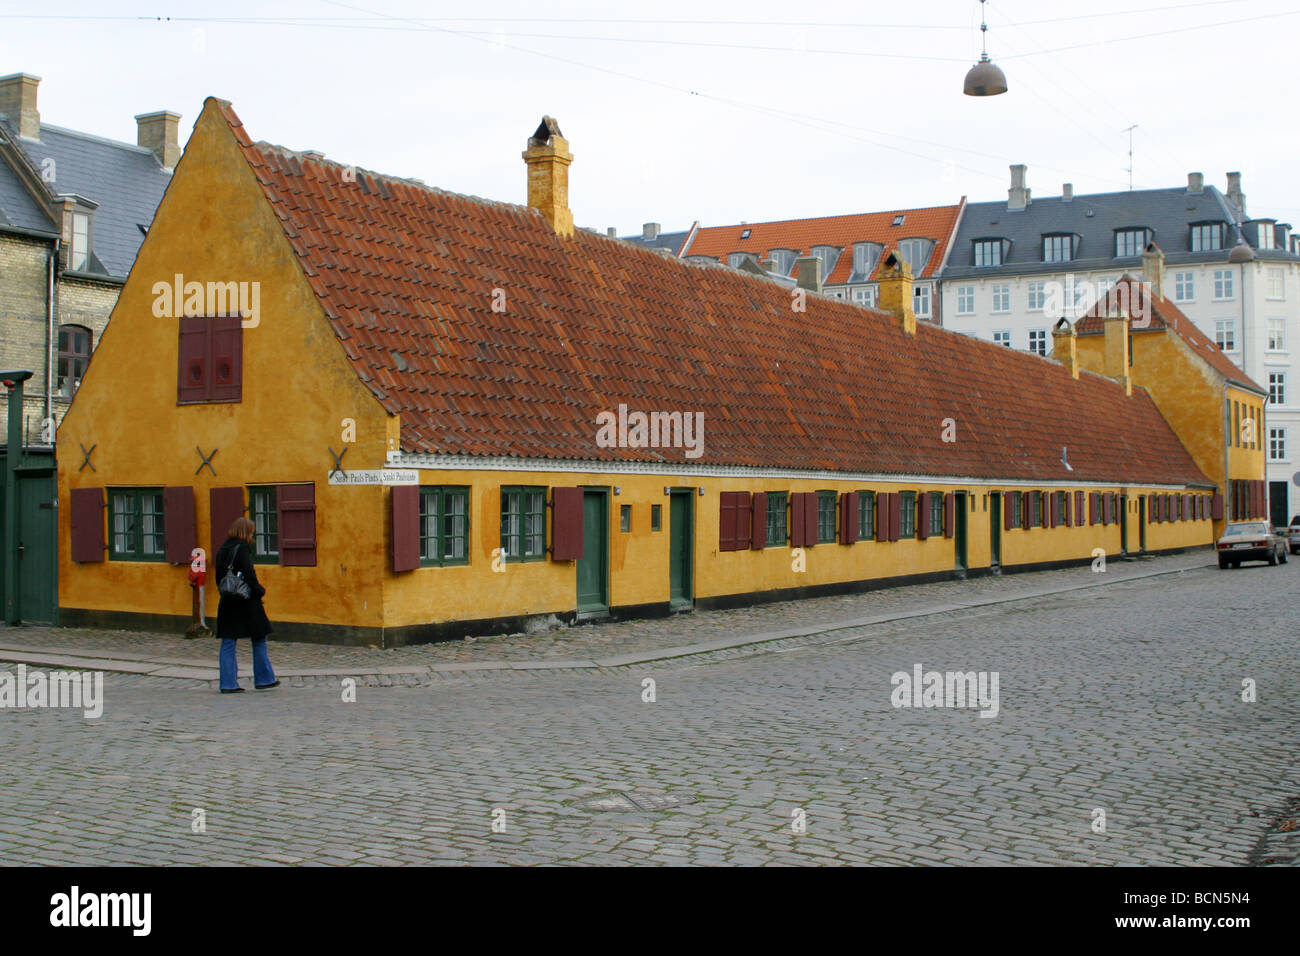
{"type": "Point", "coordinates": [810, 518]}
{"type": "Point", "coordinates": [1092, 507]}
{"type": "Point", "coordinates": [727, 521]}
{"type": "Point", "coordinates": [923, 515]}
{"type": "Point", "coordinates": [192, 378]}
{"type": "Point", "coordinates": [1216, 507]}
{"type": "Point", "coordinates": [296, 505]}
{"type": "Point", "coordinates": [227, 364]}
{"type": "Point", "coordinates": [882, 516]}
{"type": "Point", "coordinates": [180, 537]}
{"type": "Point", "coordinates": [566, 524]}
{"type": "Point", "coordinates": [796, 520]}
{"type": "Point", "coordinates": [758, 522]}
{"type": "Point", "coordinates": [849, 517]}
{"type": "Point", "coordinates": [1008, 511]}
{"type": "Point", "coordinates": [1026, 509]}
{"type": "Point", "coordinates": [1107, 508]}
{"type": "Point", "coordinates": [87, 524]}
{"type": "Point", "coordinates": [895, 515]}
{"type": "Point", "coordinates": [949, 514]}
{"type": "Point", "coordinates": [224, 506]}
{"type": "Point", "coordinates": [1049, 508]}
{"type": "Point", "coordinates": [1065, 506]}
{"type": "Point", "coordinates": [1078, 508]}
{"type": "Point", "coordinates": [405, 514]}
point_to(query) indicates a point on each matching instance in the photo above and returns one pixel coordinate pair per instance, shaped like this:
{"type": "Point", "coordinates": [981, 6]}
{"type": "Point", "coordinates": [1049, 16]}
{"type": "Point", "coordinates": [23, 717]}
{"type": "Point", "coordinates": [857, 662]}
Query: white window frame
{"type": "Point", "coordinates": [965, 300]}
{"type": "Point", "coordinates": [1184, 286]}
{"type": "Point", "coordinates": [1276, 284]}
{"type": "Point", "coordinates": [1001, 297]}
{"type": "Point", "coordinates": [1228, 326]}
{"type": "Point", "coordinates": [1276, 343]}
{"type": "Point", "coordinates": [1002, 337]}
{"type": "Point", "coordinates": [1038, 337]}
{"type": "Point", "coordinates": [1223, 287]}
{"type": "Point", "coordinates": [1037, 296]}
{"type": "Point", "coordinates": [1277, 444]}
{"type": "Point", "coordinates": [921, 301]}
{"type": "Point", "coordinates": [79, 250]}
{"type": "Point", "coordinates": [1276, 388]}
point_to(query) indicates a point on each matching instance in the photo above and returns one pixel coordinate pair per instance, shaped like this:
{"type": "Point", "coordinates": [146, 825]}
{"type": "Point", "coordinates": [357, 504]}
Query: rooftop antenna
{"type": "Point", "coordinates": [1129, 168]}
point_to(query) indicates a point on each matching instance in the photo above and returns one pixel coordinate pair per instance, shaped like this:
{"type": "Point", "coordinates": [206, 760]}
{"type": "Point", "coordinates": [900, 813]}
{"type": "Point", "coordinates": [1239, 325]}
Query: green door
{"type": "Point", "coordinates": [37, 534]}
{"type": "Point", "coordinates": [593, 566]}
{"type": "Point", "coordinates": [995, 530]}
{"type": "Point", "coordinates": [1142, 522]}
{"type": "Point", "coordinates": [959, 528]}
{"type": "Point", "coordinates": [681, 534]}
{"type": "Point", "coordinates": [1123, 524]}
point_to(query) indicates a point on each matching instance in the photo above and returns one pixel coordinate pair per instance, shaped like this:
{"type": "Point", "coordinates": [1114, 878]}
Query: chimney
{"type": "Point", "coordinates": [1116, 351]}
{"type": "Point", "coordinates": [18, 101]}
{"type": "Point", "coordinates": [808, 273]}
{"type": "Point", "coordinates": [650, 231]}
{"type": "Point", "coordinates": [1067, 192]}
{"type": "Point", "coordinates": [1065, 347]}
{"type": "Point", "coordinates": [1195, 182]}
{"type": "Point", "coordinates": [548, 160]}
{"type": "Point", "coordinates": [1235, 194]}
{"type": "Point", "coordinates": [612, 232]}
{"type": "Point", "coordinates": [160, 133]}
{"type": "Point", "coordinates": [1018, 194]}
{"type": "Point", "coordinates": [895, 280]}
{"type": "Point", "coordinates": [1153, 270]}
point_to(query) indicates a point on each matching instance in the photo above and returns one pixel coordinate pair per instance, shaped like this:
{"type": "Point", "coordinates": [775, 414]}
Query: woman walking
{"type": "Point", "coordinates": [242, 616]}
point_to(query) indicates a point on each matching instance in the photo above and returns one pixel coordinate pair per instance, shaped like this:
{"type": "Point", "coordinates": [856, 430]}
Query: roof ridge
{"type": "Point", "coordinates": [80, 134]}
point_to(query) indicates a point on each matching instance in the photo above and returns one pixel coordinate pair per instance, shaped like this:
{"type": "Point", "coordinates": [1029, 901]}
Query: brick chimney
{"type": "Point", "coordinates": [1067, 192]}
{"type": "Point", "coordinates": [808, 273]}
{"type": "Point", "coordinates": [1065, 347]}
{"type": "Point", "coordinates": [548, 160]}
{"type": "Point", "coordinates": [650, 231]}
{"type": "Point", "coordinates": [1153, 270]}
{"type": "Point", "coordinates": [895, 279]}
{"type": "Point", "coordinates": [1116, 351]}
{"type": "Point", "coordinates": [1195, 182]}
{"type": "Point", "coordinates": [160, 132]}
{"type": "Point", "coordinates": [1235, 194]}
{"type": "Point", "coordinates": [1018, 194]}
{"type": "Point", "coordinates": [18, 101]}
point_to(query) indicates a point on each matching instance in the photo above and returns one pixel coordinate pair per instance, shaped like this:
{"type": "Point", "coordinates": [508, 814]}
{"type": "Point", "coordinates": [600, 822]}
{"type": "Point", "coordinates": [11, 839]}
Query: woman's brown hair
{"type": "Point", "coordinates": [241, 529]}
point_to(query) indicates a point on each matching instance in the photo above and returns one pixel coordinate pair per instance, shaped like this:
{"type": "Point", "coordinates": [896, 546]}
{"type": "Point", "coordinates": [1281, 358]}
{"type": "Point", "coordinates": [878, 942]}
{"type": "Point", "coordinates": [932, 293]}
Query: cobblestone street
{"type": "Point", "coordinates": [1124, 698]}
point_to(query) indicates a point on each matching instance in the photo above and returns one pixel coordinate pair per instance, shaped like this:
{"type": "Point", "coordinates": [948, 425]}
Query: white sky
{"type": "Point", "coordinates": [841, 114]}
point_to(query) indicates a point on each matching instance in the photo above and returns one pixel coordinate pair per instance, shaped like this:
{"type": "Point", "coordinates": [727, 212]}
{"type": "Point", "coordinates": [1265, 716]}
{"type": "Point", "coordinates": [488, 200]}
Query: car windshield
{"type": "Point", "coordinates": [1249, 527]}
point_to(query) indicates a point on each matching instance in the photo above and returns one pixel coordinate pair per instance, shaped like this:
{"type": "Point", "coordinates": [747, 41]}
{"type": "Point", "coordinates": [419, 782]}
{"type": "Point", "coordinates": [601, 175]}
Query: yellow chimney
{"type": "Point", "coordinates": [1116, 351]}
{"type": "Point", "coordinates": [1153, 270]}
{"type": "Point", "coordinates": [896, 291]}
{"type": "Point", "coordinates": [548, 160]}
{"type": "Point", "coordinates": [1065, 347]}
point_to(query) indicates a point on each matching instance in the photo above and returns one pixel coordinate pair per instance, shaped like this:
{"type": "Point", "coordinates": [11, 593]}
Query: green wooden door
{"type": "Point", "coordinates": [37, 537]}
{"type": "Point", "coordinates": [995, 530]}
{"type": "Point", "coordinates": [681, 534]}
{"type": "Point", "coordinates": [593, 566]}
{"type": "Point", "coordinates": [959, 529]}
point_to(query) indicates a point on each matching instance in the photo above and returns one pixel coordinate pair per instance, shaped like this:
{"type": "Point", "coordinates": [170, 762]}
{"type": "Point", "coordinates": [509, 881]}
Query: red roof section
{"type": "Point", "coordinates": [936, 222]}
{"type": "Point", "coordinates": [1163, 314]}
{"type": "Point", "coordinates": [406, 275]}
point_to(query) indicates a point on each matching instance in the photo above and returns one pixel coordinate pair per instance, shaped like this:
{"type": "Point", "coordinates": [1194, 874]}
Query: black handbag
{"type": "Point", "coordinates": [233, 584]}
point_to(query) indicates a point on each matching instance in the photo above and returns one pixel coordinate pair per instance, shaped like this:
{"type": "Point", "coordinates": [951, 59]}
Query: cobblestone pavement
{"type": "Point", "coordinates": [1125, 699]}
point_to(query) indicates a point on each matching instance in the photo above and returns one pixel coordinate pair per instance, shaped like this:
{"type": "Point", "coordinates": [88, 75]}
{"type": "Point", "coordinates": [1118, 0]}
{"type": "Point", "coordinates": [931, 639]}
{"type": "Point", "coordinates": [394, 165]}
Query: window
{"type": "Point", "coordinates": [1223, 283]}
{"type": "Point", "coordinates": [1276, 284]}
{"type": "Point", "coordinates": [865, 295]}
{"type": "Point", "coordinates": [916, 253]}
{"type": "Point", "coordinates": [782, 260]}
{"type": "Point", "coordinates": [921, 301]}
{"type": "Point", "coordinates": [656, 517]}
{"type": "Point", "coordinates": [988, 252]}
{"type": "Point", "coordinates": [1277, 388]}
{"type": "Point", "coordinates": [776, 530]}
{"type": "Point", "coordinates": [523, 523]}
{"type": "Point", "coordinates": [74, 356]}
{"type": "Point", "coordinates": [1002, 337]}
{"type": "Point", "coordinates": [1225, 334]}
{"type": "Point", "coordinates": [829, 255]}
{"type": "Point", "coordinates": [1130, 242]}
{"type": "Point", "coordinates": [1037, 296]}
{"type": "Point", "coordinates": [744, 234]}
{"type": "Point", "coordinates": [825, 517]}
{"type": "Point", "coordinates": [266, 525]}
{"type": "Point", "coordinates": [1184, 286]}
{"type": "Point", "coordinates": [136, 522]}
{"type": "Point", "coordinates": [80, 251]}
{"type": "Point", "coordinates": [898, 220]}
{"type": "Point", "coordinates": [1276, 335]}
{"type": "Point", "coordinates": [1058, 248]}
{"type": "Point", "coordinates": [1038, 341]}
{"type": "Point", "coordinates": [1002, 297]}
{"type": "Point", "coordinates": [1058, 508]}
{"type": "Point", "coordinates": [1207, 236]}
{"type": "Point", "coordinates": [936, 514]}
{"type": "Point", "coordinates": [444, 526]}
{"type": "Point", "coordinates": [1035, 509]}
{"type": "Point", "coordinates": [624, 518]}
{"type": "Point", "coordinates": [907, 519]}
{"type": "Point", "coordinates": [866, 515]}
{"type": "Point", "coordinates": [734, 259]}
{"type": "Point", "coordinates": [865, 257]}
{"type": "Point", "coordinates": [1017, 509]}
{"type": "Point", "coordinates": [1277, 444]}
{"type": "Point", "coordinates": [1264, 235]}
{"type": "Point", "coordinates": [211, 360]}
{"type": "Point", "coordinates": [965, 300]}
{"type": "Point", "coordinates": [1236, 424]}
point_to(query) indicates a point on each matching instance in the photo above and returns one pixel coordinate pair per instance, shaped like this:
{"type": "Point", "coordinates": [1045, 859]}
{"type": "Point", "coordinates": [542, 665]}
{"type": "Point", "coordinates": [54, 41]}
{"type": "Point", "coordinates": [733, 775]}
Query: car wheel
{"type": "Point", "coordinates": [1272, 559]}
{"type": "Point", "coordinates": [1281, 557]}
{"type": "Point", "coordinates": [1236, 564]}
{"type": "Point", "coordinates": [1223, 563]}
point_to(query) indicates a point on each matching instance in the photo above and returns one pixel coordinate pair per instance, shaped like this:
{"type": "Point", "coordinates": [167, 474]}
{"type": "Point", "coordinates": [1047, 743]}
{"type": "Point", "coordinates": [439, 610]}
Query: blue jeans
{"type": "Point", "coordinates": [262, 672]}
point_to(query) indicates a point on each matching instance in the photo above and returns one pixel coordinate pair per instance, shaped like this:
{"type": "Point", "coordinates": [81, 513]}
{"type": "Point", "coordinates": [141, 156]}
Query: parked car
{"type": "Point", "coordinates": [1251, 541]}
{"type": "Point", "coordinates": [1293, 534]}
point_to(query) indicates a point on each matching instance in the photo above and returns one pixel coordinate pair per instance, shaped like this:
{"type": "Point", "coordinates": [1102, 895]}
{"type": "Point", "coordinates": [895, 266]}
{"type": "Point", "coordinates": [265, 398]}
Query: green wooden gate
{"type": "Point", "coordinates": [35, 597]}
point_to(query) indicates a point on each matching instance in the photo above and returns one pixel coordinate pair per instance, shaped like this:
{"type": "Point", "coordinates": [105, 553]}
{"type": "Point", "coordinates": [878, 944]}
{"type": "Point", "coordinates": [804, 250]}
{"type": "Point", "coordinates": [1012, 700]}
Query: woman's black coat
{"type": "Point", "coordinates": [240, 617]}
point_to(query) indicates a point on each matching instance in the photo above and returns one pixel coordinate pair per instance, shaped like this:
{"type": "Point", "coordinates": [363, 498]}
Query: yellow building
{"type": "Point", "coordinates": [447, 415]}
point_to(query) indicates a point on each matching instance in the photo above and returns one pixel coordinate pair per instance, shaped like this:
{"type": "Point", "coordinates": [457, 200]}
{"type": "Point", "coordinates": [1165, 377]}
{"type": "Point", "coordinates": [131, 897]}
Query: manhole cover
{"type": "Point", "coordinates": [638, 800]}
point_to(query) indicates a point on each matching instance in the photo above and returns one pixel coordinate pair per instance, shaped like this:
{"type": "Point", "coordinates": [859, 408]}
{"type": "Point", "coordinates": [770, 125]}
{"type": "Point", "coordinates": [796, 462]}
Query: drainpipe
{"type": "Point", "coordinates": [51, 366]}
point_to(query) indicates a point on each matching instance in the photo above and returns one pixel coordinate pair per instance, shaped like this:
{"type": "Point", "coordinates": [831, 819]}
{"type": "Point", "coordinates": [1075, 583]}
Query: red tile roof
{"type": "Point", "coordinates": [1164, 314]}
{"type": "Point", "coordinates": [406, 275]}
{"type": "Point", "coordinates": [935, 222]}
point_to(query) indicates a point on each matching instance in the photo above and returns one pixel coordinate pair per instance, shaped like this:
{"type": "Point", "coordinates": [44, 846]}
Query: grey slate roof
{"type": "Point", "coordinates": [672, 241]}
{"type": "Point", "coordinates": [1169, 213]}
{"type": "Point", "coordinates": [127, 181]}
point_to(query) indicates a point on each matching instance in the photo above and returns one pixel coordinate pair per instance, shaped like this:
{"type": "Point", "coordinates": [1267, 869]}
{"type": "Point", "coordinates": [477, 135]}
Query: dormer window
{"type": "Point", "coordinates": [1131, 242]}
{"type": "Point", "coordinates": [782, 260]}
{"type": "Point", "coordinates": [916, 253]}
{"type": "Point", "coordinates": [989, 252]}
{"type": "Point", "coordinates": [865, 257]}
{"type": "Point", "coordinates": [829, 256]}
{"type": "Point", "coordinates": [736, 258]}
{"type": "Point", "coordinates": [1264, 234]}
{"type": "Point", "coordinates": [1059, 247]}
{"type": "Point", "coordinates": [898, 220]}
{"type": "Point", "coordinates": [79, 254]}
{"type": "Point", "coordinates": [1282, 233]}
{"type": "Point", "coordinates": [1207, 236]}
